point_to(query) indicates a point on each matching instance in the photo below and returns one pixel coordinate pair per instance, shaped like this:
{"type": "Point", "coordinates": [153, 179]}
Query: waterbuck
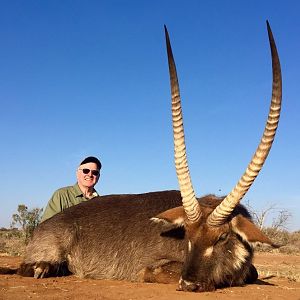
{"type": "Point", "coordinates": [167, 236]}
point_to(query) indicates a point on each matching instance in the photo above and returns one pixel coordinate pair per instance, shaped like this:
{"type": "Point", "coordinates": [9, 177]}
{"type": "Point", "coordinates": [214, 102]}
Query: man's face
{"type": "Point", "coordinates": [90, 178]}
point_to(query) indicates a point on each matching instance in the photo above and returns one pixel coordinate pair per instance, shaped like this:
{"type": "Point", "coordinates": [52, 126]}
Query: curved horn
{"type": "Point", "coordinates": [189, 201]}
{"type": "Point", "coordinates": [221, 212]}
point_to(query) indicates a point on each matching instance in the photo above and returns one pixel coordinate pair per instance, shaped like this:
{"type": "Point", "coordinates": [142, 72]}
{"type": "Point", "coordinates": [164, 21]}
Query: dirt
{"type": "Point", "coordinates": [279, 279]}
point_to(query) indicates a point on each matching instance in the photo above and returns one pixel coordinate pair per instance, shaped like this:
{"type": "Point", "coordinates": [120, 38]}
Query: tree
{"type": "Point", "coordinates": [279, 222]}
{"type": "Point", "coordinates": [26, 219]}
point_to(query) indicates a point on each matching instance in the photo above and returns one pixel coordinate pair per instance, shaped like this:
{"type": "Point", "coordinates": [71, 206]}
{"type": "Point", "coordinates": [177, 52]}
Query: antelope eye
{"type": "Point", "coordinates": [223, 237]}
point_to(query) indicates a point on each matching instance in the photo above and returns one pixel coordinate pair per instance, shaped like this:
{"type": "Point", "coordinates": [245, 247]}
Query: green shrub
{"type": "Point", "coordinates": [27, 220]}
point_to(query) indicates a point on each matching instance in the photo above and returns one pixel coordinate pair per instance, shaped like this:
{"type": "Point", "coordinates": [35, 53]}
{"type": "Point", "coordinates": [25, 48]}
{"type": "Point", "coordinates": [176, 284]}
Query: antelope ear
{"type": "Point", "coordinates": [172, 221]}
{"type": "Point", "coordinates": [175, 216]}
{"type": "Point", "coordinates": [249, 232]}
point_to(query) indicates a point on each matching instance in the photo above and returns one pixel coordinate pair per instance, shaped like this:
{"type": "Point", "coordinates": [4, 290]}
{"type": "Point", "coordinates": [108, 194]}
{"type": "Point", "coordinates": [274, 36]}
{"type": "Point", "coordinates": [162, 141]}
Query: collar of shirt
{"type": "Point", "coordinates": [78, 192]}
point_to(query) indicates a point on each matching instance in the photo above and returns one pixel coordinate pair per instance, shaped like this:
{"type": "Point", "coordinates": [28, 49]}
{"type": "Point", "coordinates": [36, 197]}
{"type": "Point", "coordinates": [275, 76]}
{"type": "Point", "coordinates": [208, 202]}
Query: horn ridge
{"type": "Point", "coordinates": [189, 201]}
{"type": "Point", "coordinates": [225, 208]}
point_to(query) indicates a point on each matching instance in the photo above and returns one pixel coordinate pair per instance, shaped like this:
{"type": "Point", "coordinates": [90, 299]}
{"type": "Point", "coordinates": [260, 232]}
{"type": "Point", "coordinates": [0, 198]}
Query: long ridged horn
{"type": "Point", "coordinates": [225, 208]}
{"type": "Point", "coordinates": [189, 201]}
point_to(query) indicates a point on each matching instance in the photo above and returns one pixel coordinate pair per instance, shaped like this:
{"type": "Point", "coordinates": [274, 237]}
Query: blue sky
{"type": "Point", "coordinates": [81, 78]}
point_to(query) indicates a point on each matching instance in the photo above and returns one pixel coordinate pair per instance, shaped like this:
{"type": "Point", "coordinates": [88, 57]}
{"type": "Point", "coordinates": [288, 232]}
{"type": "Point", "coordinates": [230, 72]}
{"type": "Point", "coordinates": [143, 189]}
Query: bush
{"type": "Point", "coordinates": [278, 237]}
{"type": "Point", "coordinates": [289, 242]}
{"type": "Point", "coordinates": [27, 220]}
{"type": "Point", "coordinates": [13, 240]}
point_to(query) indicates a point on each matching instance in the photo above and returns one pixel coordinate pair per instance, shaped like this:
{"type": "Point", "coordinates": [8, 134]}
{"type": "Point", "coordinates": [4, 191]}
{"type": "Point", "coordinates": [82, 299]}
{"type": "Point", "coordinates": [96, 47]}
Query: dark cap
{"type": "Point", "coordinates": [92, 159]}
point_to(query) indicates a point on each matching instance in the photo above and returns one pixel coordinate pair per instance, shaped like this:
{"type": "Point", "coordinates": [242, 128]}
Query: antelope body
{"type": "Point", "coordinates": [165, 236]}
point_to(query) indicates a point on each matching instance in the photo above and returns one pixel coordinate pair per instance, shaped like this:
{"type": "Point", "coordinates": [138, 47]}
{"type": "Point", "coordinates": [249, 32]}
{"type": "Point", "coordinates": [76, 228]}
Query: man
{"type": "Point", "coordinates": [88, 174]}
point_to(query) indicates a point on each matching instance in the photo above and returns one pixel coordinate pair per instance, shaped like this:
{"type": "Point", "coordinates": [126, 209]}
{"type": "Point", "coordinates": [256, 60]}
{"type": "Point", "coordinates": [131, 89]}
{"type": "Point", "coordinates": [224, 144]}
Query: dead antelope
{"type": "Point", "coordinates": [163, 236]}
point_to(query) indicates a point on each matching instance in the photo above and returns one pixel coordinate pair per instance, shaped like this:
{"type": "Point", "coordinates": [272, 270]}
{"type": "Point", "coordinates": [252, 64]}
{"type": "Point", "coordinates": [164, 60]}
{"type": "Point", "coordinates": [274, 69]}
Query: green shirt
{"type": "Point", "coordinates": [64, 198]}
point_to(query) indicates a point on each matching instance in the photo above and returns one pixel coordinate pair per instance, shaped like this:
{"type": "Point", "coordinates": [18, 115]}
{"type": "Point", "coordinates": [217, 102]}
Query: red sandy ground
{"type": "Point", "coordinates": [279, 279]}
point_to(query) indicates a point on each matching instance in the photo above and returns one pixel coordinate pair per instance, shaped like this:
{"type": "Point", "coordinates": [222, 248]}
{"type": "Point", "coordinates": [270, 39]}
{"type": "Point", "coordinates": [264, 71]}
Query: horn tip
{"type": "Point", "coordinates": [166, 31]}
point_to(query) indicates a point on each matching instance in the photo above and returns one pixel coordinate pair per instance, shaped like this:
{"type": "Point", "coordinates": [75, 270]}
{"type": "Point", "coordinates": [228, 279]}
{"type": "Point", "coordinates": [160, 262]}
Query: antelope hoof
{"type": "Point", "coordinates": [41, 270]}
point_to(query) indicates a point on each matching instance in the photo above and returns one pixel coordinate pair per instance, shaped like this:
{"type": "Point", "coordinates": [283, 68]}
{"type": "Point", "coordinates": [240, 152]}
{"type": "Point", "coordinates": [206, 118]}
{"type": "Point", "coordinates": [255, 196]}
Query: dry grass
{"type": "Point", "coordinates": [290, 273]}
{"type": "Point", "coordinates": [12, 242]}
{"type": "Point", "coordinates": [289, 242]}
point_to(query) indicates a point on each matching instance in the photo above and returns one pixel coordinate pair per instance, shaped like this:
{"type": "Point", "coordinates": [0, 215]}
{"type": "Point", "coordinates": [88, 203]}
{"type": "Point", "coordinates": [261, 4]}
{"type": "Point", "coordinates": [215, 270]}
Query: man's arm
{"type": "Point", "coordinates": [54, 206]}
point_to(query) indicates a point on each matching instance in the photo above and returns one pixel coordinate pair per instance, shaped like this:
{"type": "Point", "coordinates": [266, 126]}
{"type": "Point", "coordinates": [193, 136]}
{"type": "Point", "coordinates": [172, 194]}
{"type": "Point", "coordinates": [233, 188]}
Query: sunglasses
{"type": "Point", "coordinates": [87, 171]}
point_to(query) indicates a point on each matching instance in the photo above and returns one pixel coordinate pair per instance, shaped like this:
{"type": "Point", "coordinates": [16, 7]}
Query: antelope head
{"type": "Point", "coordinates": [219, 233]}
